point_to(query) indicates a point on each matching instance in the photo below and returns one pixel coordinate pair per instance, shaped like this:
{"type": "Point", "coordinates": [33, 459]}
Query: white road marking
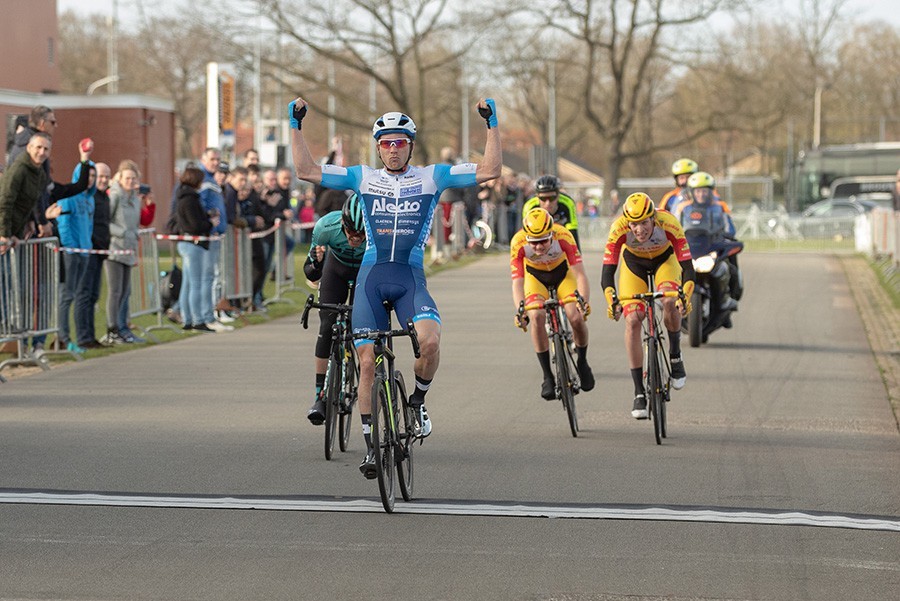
{"type": "Point", "coordinates": [594, 512]}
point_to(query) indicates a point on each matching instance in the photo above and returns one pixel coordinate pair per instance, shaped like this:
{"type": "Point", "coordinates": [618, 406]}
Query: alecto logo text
{"type": "Point", "coordinates": [381, 206]}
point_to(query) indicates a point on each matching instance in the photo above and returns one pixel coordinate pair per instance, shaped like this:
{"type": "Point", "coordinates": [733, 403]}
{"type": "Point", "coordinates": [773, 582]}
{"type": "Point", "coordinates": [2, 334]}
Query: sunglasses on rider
{"type": "Point", "coordinates": [549, 198]}
{"type": "Point", "coordinates": [399, 143]}
{"type": "Point", "coordinates": [540, 242]}
{"type": "Point", "coordinates": [351, 235]}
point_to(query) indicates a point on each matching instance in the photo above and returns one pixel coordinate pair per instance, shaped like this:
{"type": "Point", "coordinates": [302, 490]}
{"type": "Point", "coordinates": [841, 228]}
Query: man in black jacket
{"type": "Point", "coordinates": [100, 241]}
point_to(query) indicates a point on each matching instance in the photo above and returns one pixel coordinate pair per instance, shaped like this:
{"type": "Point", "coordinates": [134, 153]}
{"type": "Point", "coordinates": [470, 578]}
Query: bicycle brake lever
{"type": "Point", "coordinates": [304, 319]}
{"type": "Point", "coordinates": [413, 338]}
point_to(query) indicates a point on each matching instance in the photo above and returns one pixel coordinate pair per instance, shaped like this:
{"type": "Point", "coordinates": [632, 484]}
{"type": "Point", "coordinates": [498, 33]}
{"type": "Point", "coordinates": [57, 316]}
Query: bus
{"type": "Point", "coordinates": [814, 172]}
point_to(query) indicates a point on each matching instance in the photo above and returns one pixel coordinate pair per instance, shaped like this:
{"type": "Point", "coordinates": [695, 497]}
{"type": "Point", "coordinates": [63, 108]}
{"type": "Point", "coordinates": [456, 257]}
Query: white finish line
{"type": "Point", "coordinates": [485, 509]}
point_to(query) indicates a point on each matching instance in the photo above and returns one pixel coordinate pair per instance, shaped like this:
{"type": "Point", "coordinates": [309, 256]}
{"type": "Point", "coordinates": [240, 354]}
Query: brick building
{"type": "Point", "coordinates": [123, 126]}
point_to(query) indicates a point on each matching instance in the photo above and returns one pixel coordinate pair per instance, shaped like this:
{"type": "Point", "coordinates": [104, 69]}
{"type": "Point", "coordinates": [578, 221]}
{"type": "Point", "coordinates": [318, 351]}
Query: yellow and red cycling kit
{"type": "Point", "coordinates": [665, 253]}
{"type": "Point", "coordinates": [548, 269]}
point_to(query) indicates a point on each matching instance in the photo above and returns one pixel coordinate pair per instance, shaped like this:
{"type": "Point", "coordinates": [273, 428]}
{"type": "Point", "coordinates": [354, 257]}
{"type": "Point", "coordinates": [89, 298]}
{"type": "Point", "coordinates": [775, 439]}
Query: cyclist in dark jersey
{"type": "Point", "coordinates": [335, 252]}
{"type": "Point", "coordinates": [399, 202]}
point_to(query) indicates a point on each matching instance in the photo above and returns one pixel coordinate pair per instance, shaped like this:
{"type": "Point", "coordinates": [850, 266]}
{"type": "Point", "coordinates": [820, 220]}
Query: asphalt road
{"type": "Point", "coordinates": [187, 471]}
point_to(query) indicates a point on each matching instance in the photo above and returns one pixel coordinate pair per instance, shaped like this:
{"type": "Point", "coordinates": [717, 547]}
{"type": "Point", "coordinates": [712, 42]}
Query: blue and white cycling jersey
{"type": "Point", "coordinates": [398, 208]}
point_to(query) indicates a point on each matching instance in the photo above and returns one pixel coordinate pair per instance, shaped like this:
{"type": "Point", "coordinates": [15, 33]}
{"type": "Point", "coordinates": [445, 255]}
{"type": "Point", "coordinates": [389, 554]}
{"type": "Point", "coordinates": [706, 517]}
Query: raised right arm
{"type": "Point", "coordinates": [305, 167]}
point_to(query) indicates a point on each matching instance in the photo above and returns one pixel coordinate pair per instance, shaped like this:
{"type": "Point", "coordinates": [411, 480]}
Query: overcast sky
{"type": "Point", "coordinates": [863, 10]}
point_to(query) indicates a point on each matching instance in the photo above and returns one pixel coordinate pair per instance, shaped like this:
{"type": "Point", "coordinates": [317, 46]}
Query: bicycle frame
{"type": "Point", "coordinates": [392, 444]}
{"type": "Point", "coordinates": [341, 373]}
{"type": "Point", "coordinates": [657, 369]}
{"type": "Point", "coordinates": [562, 351]}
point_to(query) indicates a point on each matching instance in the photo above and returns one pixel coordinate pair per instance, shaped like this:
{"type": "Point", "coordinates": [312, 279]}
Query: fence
{"type": "Point", "coordinates": [283, 261]}
{"type": "Point", "coordinates": [29, 297]}
{"type": "Point", "coordinates": [235, 264]}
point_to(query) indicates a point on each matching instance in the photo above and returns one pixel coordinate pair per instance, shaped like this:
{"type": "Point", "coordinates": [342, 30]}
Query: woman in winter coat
{"type": "Point", "coordinates": [124, 221]}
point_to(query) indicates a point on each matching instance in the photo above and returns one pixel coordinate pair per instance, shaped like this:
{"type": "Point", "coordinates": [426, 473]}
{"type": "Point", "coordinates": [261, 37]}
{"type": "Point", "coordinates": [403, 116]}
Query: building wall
{"type": "Point", "coordinates": [29, 40]}
{"type": "Point", "coordinates": [123, 127]}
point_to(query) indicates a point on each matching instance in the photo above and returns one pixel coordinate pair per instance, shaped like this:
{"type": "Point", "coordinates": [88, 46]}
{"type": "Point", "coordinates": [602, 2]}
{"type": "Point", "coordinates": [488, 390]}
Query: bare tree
{"type": "Point", "coordinates": [621, 46]}
{"type": "Point", "coordinates": [411, 50]}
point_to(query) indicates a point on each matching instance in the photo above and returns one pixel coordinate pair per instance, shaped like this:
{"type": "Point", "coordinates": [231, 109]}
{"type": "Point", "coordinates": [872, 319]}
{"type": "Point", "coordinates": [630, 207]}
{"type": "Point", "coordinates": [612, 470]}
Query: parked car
{"type": "Point", "coordinates": [839, 207]}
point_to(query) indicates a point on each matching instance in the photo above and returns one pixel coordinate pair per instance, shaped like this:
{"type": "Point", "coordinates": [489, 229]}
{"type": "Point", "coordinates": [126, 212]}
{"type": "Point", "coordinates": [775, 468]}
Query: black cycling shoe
{"type": "Point", "coordinates": [316, 413]}
{"type": "Point", "coordinates": [367, 467]}
{"type": "Point", "coordinates": [586, 376]}
{"type": "Point", "coordinates": [548, 389]}
{"type": "Point", "coordinates": [678, 374]}
{"type": "Point", "coordinates": [639, 409]}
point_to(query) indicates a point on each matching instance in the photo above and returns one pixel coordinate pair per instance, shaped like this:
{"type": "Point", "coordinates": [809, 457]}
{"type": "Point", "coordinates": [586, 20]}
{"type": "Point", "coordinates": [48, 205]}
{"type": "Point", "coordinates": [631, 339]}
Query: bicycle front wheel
{"type": "Point", "coordinates": [332, 399]}
{"type": "Point", "coordinates": [351, 382]}
{"type": "Point", "coordinates": [406, 437]}
{"type": "Point", "coordinates": [564, 383]}
{"type": "Point", "coordinates": [382, 442]}
{"type": "Point", "coordinates": [654, 389]}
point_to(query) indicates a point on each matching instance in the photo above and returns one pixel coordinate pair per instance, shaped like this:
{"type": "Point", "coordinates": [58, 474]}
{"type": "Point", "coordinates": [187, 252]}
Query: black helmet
{"type": "Point", "coordinates": [352, 214]}
{"type": "Point", "coordinates": [547, 183]}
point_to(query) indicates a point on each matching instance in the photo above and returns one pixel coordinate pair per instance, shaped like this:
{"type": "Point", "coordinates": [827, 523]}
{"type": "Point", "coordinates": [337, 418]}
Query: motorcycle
{"type": "Point", "coordinates": [718, 283]}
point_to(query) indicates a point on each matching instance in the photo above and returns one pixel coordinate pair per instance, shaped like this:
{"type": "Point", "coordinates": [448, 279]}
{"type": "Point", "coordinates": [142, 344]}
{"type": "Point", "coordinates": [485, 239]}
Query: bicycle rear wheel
{"type": "Point", "coordinates": [654, 389]}
{"type": "Point", "coordinates": [564, 383]}
{"type": "Point", "coordinates": [405, 438]}
{"type": "Point", "coordinates": [382, 443]}
{"type": "Point", "coordinates": [351, 382]}
{"type": "Point", "coordinates": [332, 400]}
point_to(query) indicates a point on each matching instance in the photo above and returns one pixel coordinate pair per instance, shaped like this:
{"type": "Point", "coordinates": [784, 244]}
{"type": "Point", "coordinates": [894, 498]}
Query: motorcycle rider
{"type": "Point", "coordinates": [682, 169]}
{"type": "Point", "coordinates": [701, 193]}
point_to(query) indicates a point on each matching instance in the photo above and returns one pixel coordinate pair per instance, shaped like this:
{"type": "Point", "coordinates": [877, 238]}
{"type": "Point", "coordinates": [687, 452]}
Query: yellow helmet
{"type": "Point", "coordinates": [638, 207]}
{"type": "Point", "coordinates": [684, 166]}
{"type": "Point", "coordinates": [537, 224]}
{"type": "Point", "coordinates": [701, 179]}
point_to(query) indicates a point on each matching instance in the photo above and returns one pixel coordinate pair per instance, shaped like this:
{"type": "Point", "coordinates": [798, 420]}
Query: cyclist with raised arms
{"type": "Point", "coordinates": [543, 254]}
{"type": "Point", "coordinates": [548, 196]}
{"type": "Point", "coordinates": [335, 253]}
{"type": "Point", "coordinates": [649, 241]}
{"type": "Point", "coordinates": [398, 201]}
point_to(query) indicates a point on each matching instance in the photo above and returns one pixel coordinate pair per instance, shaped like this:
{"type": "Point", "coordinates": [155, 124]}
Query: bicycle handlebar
{"type": "Point", "coordinates": [311, 304]}
{"type": "Point", "coordinates": [375, 335]}
{"type": "Point", "coordinates": [646, 296]}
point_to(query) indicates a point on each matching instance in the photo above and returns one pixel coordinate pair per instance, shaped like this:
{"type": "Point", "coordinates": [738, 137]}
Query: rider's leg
{"type": "Point", "coordinates": [580, 335]}
{"type": "Point", "coordinates": [635, 352]}
{"type": "Point", "coordinates": [366, 356]}
{"type": "Point", "coordinates": [542, 348]}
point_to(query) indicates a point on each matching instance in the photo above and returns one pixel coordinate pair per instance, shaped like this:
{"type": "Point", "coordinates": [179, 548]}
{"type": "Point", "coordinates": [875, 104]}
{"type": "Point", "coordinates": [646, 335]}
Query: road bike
{"type": "Point", "coordinates": [394, 425]}
{"type": "Point", "coordinates": [562, 352]}
{"type": "Point", "coordinates": [341, 375]}
{"type": "Point", "coordinates": [657, 370]}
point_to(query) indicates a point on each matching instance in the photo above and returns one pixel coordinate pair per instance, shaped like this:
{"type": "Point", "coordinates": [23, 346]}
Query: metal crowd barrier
{"type": "Point", "coordinates": [235, 264]}
{"type": "Point", "coordinates": [29, 298]}
{"type": "Point", "coordinates": [284, 265]}
{"type": "Point", "coordinates": [145, 284]}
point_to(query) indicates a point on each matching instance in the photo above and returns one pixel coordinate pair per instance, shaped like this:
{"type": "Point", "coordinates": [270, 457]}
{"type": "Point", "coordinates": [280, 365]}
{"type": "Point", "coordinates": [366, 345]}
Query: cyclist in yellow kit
{"type": "Point", "coordinates": [544, 254]}
{"type": "Point", "coordinates": [649, 241]}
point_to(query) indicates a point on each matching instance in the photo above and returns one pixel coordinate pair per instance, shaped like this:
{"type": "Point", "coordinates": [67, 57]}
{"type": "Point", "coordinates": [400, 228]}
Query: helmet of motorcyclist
{"type": "Point", "coordinates": [352, 214]}
{"type": "Point", "coordinates": [394, 123]}
{"type": "Point", "coordinates": [547, 183]}
{"type": "Point", "coordinates": [701, 179]}
{"type": "Point", "coordinates": [637, 207]}
{"type": "Point", "coordinates": [684, 167]}
{"type": "Point", "coordinates": [537, 224]}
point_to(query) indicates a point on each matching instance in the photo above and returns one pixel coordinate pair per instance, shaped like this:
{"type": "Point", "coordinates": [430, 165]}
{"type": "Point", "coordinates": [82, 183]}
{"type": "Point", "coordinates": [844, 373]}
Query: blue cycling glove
{"type": "Point", "coordinates": [489, 114]}
{"type": "Point", "coordinates": [296, 114]}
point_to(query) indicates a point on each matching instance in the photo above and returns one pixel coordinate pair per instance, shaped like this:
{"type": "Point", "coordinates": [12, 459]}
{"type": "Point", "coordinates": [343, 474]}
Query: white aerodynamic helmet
{"type": "Point", "coordinates": [394, 123]}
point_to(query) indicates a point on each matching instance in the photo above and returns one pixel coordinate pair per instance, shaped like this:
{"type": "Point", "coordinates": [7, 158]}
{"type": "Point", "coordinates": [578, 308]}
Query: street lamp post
{"type": "Point", "coordinates": [817, 117]}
